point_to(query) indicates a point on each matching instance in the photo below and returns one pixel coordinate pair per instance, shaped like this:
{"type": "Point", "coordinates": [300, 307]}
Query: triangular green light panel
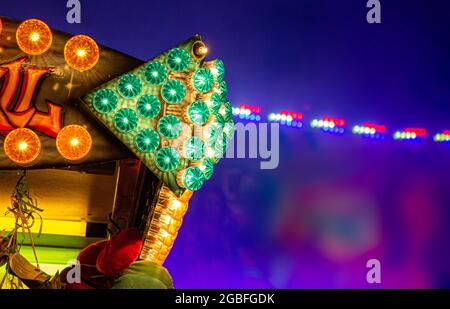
{"type": "Point", "coordinates": [159, 106]}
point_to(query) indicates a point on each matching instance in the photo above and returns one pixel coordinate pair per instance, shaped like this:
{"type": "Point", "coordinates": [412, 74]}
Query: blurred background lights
{"type": "Point", "coordinates": [410, 134]}
{"type": "Point", "coordinates": [247, 112]}
{"type": "Point", "coordinates": [442, 137]}
{"type": "Point", "coordinates": [370, 130]}
{"type": "Point", "coordinates": [287, 118]}
{"type": "Point", "coordinates": [329, 124]}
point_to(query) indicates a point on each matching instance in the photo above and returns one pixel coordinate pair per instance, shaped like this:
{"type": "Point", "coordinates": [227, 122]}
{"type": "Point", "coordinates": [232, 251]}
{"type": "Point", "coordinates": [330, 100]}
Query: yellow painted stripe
{"type": "Point", "coordinates": [49, 226]}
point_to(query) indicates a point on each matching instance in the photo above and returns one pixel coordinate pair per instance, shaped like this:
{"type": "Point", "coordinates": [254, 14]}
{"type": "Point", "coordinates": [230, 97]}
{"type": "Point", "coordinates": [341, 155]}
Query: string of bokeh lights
{"type": "Point", "coordinates": [81, 53]}
{"type": "Point", "coordinates": [336, 126]}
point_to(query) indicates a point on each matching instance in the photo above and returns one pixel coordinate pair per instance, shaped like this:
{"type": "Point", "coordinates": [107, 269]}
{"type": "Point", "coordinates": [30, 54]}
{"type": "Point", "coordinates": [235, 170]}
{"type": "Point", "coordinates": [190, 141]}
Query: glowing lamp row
{"type": "Point", "coordinates": [23, 146]}
{"type": "Point", "coordinates": [287, 119]}
{"type": "Point", "coordinates": [247, 112]}
{"type": "Point", "coordinates": [285, 116]}
{"type": "Point", "coordinates": [253, 109]}
{"type": "Point", "coordinates": [442, 137]}
{"type": "Point", "coordinates": [328, 124]}
{"type": "Point", "coordinates": [294, 115]}
{"type": "Point", "coordinates": [410, 134]}
{"type": "Point", "coordinates": [370, 130]}
{"type": "Point", "coordinates": [34, 37]}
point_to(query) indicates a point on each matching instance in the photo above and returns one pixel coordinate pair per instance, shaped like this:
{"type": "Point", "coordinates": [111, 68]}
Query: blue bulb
{"type": "Point", "coordinates": [258, 118]}
{"type": "Point", "coordinates": [252, 117]}
{"type": "Point", "coordinates": [294, 123]}
{"type": "Point", "coordinates": [241, 116]}
{"type": "Point", "coordinates": [299, 124]}
{"type": "Point", "coordinates": [283, 122]}
{"type": "Point", "coordinates": [289, 124]}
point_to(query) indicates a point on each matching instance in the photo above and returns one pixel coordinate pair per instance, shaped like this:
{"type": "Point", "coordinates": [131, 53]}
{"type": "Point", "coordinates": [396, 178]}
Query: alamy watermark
{"type": "Point", "coordinates": [74, 13]}
{"type": "Point", "coordinates": [374, 273]}
{"type": "Point", "coordinates": [74, 273]}
{"type": "Point", "coordinates": [233, 141]}
{"type": "Point", "coordinates": [374, 14]}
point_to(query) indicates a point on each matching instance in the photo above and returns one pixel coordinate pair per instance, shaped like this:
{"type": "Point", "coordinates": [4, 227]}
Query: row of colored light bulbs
{"type": "Point", "coordinates": [442, 137]}
{"type": "Point", "coordinates": [34, 37]}
{"type": "Point", "coordinates": [370, 130]}
{"type": "Point", "coordinates": [327, 124]}
{"type": "Point", "coordinates": [245, 112]}
{"type": "Point", "coordinates": [286, 118]}
{"type": "Point", "coordinates": [336, 125]}
{"type": "Point", "coordinates": [73, 142]}
{"type": "Point", "coordinates": [23, 146]}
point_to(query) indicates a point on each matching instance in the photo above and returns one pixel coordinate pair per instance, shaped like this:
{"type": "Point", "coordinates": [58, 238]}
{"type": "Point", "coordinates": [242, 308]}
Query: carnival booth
{"type": "Point", "coordinates": [100, 155]}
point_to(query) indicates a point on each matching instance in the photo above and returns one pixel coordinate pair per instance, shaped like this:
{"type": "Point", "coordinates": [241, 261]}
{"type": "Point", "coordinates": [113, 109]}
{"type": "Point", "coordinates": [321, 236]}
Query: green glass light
{"type": "Point", "coordinates": [193, 178]}
{"type": "Point", "coordinates": [219, 70]}
{"type": "Point", "coordinates": [207, 167]}
{"type": "Point", "coordinates": [173, 91]}
{"type": "Point", "coordinates": [228, 129]}
{"type": "Point", "coordinates": [155, 73]}
{"type": "Point", "coordinates": [221, 144]}
{"type": "Point", "coordinates": [194, 148]}
{"type": "Point", "coordinates": [213, 131]}
{"type": "Point", "coordinates": [125, 120]}
{"type": "Point", "coordinates": [148, 106]}
{"type": "Point", "coordinates": [198, 112]}
{"type": "Point", "coordinates": [129, 86]}
{"type": "Point", "coordinates": [167, 159]}
{"type": "Point", "coordinates": [203, 80]}
{"type": "Point", "coordinates": [214, 103]}
{"type": "Point", "coordinates": [169, 126]}
{"type": "Point", "coordinates": [220, 119]}
{"type": "Point", "coordinates": [223, 90]}
{"type": "Point", "coordinates": [105, 101]}
{"type": "Point", "coordinates": [147, 140]}
{"type": "Point", "coordinates": [177, 59]}
{"type": "Point", "coordinates": [212, 154]}
{"type": "Point", "coordinates": [226, 111]}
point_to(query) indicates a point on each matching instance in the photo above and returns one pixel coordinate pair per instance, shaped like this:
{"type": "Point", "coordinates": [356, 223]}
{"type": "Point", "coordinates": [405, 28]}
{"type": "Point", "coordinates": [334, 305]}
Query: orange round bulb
{"type": "Point", "coordinates": [1, 26]}
{"type": "Point", "coordinates": [73, 142]}
{"type": "Point", "coordinates": [22, 146]}
{"type": "Point", "coordinates": [34, 37]}
{"type": "Point", "coordinates": [81, 53]}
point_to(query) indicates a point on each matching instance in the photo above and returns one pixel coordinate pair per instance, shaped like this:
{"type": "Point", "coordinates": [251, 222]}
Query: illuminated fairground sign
{"type": "Point", "coordinates": [20, 85]}
{"type": "Point", "coordinates": [74, 105]}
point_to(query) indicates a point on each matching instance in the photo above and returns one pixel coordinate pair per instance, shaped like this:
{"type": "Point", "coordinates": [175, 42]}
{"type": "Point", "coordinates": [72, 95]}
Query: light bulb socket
{"type": "Point", "coordinates": [199, 50]}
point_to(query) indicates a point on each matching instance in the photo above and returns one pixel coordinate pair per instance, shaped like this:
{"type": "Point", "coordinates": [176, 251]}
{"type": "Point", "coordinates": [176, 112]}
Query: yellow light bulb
{"type": "Point", "coordinates": [81, 53]}
{"type": "Point", "coordinates": [34, 37]}
{"type": "Point", "coordinates": [176, 204]}
{"type": "Point", "coordinates": [22, 146]}
{"type": "Point", "coordinates": [74, 142]}
{"type": "Point", "coordinates": [199, 50]}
